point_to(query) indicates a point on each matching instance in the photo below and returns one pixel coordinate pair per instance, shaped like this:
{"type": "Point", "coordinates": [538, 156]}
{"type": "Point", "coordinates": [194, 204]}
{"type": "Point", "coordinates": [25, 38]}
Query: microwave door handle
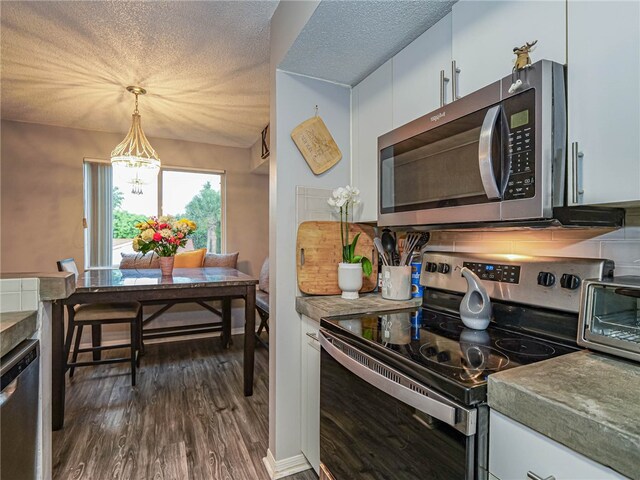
{"type": "Point", "coordinates": [485, 160]}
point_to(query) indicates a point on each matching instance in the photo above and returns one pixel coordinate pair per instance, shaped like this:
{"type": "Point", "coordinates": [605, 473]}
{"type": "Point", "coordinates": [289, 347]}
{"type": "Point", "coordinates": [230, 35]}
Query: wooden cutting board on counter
{"type": "Point", "coordinates": [319, 251]}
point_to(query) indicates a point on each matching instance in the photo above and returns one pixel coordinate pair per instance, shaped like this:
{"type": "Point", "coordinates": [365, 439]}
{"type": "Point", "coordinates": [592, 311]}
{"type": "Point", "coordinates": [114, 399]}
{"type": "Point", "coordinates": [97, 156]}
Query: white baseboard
{"type": "Point", "coordinates": [286, 466]}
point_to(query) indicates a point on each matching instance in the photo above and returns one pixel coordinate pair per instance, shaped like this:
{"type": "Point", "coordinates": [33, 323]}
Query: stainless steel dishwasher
{"type": "Point", "coordinates": [20, 371]}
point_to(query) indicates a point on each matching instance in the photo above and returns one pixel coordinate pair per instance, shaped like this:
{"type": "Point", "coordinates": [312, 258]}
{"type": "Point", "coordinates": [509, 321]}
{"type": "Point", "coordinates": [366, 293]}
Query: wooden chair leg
{"type": "Point", "coordinates": [76, 346]}
{"type": "Point", "coordinates": [71, 327]}
{"type": "Point", "coordinates": [139, 342]}
{"type": "Point", "coordinates": [96, 341]}
{"type": "Point", "coordinates": [141, 331]}
{"type": "Point", "coordinates": [134, 348]}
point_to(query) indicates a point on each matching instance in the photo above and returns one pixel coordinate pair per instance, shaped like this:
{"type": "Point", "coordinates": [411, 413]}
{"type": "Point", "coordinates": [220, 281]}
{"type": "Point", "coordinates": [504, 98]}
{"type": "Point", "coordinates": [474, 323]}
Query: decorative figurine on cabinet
{"type": "Point", "coordinates": [522, 63]}
{"type": "Point", "coordinates": [523, 60]}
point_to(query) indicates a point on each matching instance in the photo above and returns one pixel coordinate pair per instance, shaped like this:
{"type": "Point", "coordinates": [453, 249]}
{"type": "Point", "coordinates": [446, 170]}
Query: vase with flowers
{"type": "Point", "coordinates": [163, 235]}
{"type": "Point", "coordinates": [352, 267]}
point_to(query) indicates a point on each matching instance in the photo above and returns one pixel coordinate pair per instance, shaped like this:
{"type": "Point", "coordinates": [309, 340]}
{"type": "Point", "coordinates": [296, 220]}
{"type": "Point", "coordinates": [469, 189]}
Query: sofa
{"type": "Point", "coordinates": [139, 261]}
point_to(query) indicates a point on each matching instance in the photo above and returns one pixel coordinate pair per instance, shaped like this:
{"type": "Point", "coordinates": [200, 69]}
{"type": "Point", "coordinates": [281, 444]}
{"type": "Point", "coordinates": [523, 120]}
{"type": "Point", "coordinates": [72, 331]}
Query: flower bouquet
{"type": "Point", "coordinates": [163, 236]}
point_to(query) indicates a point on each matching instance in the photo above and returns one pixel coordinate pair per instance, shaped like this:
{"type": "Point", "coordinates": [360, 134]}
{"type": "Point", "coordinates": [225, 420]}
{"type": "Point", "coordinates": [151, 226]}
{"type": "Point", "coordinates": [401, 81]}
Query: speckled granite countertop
{"type": "Point", "coordinates": [16, 327]}
{"type": "Point", "coordinates": [316, 307]}
{"type": "Point", "coordinates": [586, 401]}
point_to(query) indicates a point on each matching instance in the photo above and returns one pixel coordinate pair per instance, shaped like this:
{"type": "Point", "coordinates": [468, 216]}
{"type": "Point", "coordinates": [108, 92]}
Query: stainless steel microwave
{"type": "Point", "coordinates": [497, 154]}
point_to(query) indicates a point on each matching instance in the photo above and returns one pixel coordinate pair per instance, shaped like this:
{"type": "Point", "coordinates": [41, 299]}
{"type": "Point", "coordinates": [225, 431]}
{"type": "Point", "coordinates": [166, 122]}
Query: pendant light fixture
{"type": "Point", "coordinates": [135, 151]}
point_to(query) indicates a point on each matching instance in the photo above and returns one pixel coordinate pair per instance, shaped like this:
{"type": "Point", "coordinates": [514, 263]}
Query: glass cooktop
{"type": "Point", "coordinates": [437, 349]}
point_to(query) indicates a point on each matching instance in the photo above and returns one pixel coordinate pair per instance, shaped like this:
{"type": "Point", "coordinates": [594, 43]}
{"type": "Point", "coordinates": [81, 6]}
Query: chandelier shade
{"type": "Point", "coordinates": [135, 151]}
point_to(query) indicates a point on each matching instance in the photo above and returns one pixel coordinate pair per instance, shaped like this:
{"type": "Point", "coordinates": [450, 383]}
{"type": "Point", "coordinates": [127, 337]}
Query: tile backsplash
{"type": "Point", "coordinates": [312, 206]}
{"type": "Point", "coordinates": [19, 294]}
{"type": "Point", "coordinates": [621, 245]}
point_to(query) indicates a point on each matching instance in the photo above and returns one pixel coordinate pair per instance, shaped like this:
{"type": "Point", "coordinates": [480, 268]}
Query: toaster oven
{"type": "Point", "coordinates": [610, 316]}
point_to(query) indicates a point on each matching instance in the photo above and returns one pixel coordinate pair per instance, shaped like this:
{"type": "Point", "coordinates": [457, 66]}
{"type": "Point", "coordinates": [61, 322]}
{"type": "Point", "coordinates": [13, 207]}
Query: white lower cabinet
{"type": "Point", "coordinates": [310, 408]}
{"type": "Point", "coordinates": [517, 452]}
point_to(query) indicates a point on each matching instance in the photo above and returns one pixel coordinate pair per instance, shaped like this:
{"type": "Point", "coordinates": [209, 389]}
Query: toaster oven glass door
{"type": "Point", "coordinates": [615, 317]}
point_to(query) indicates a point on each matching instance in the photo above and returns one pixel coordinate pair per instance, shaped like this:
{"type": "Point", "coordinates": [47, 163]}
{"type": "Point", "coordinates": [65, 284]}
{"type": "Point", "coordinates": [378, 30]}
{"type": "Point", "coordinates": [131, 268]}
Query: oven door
{"type": "Point", "coordinates": [377, 423]}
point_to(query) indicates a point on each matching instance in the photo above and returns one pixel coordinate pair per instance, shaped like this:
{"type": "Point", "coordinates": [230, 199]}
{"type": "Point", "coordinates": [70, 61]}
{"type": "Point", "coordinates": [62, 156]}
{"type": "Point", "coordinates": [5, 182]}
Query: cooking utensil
{"type": "Point", "coordinates": [409, 244]}
{"type": "Point", "coordinates": [389, 244]}
{"type": "Point", "coordinates": [412, 243]}
{"type": "Point", "coordinates": [378, 244]}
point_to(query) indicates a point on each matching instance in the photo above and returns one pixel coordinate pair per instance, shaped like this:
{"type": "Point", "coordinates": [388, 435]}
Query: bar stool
{"type": "Point", "coordinates": [262, 302]}
{"type": "Point", "coordinates": [100, 314]}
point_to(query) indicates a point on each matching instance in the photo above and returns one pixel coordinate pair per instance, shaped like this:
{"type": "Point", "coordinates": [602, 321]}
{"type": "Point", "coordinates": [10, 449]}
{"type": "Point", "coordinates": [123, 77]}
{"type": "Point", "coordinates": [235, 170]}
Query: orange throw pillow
{"type": "Point", "coordinates": [192, 259]}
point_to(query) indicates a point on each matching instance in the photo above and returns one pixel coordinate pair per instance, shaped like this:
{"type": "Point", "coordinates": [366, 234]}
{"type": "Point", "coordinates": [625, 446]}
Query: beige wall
{"type": "Point", "coordinates": [42, 201]}
{"type": "Point", "coordinates": [258, 164]}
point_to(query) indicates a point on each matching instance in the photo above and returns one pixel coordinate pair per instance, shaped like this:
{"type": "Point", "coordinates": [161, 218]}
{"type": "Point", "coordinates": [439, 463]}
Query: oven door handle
{"type": "Point", "coordinates": [419, 401]}
{"type": "Point", "coordinates": [485, 159]}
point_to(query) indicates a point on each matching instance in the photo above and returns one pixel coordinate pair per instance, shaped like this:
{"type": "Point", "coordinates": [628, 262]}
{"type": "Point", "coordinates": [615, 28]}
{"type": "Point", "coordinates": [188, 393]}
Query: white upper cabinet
{"type": "Point", "coordinates": [603, 73]}
{"type": "Point", "coordinates": [418, 72]}
{"type": "Point", "coordinates": [485, 33]}
{"type": "Point", "coordinates": [372, 110]}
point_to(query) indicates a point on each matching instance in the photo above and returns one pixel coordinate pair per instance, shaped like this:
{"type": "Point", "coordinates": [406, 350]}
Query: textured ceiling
{"type": "Point", "coordinates": [344, 41]}
{"type": "Point", "coordinates": [204, 64]}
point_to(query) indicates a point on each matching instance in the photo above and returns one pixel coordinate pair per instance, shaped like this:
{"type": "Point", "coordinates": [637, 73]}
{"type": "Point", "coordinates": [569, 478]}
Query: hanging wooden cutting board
{"type": "Point", "coordinates": [319, 252]}
{"type": "Point", "coordinates": [316, 145]}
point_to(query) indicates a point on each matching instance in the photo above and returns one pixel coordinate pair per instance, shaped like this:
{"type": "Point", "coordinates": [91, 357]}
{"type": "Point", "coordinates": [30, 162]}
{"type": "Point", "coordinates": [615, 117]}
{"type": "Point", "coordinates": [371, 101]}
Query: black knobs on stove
{"type": "Point", "coordinates": [443, 268]}
{"type": "Point", "coordinates": [431, 267]}
{"type": "Point", "coordinates": [569, 281]}
{"type": "Point", "coordinates": [546, 279]}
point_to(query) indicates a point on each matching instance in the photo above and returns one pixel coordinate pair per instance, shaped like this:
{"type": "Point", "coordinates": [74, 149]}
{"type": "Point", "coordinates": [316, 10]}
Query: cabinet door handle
{"type": "Point", "coordinates": [533, 476]}
{"type": "Point", "coordinates": [455, 71]}
{"type": "Point", "coordinates": [443, 80]}
{"type": "Point", "coordinates": [313, 336]}
{"type": "Point", "coordinates": [576, 160]}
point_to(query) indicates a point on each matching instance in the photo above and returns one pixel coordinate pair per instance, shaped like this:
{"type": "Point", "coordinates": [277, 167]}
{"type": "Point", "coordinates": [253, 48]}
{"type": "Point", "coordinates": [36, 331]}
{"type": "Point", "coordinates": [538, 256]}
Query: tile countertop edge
{"type": "Point", "coordinates": [319, 306]}
{"type": "Point", "coordinates": [600, 440]}
{"type": "Point", "coordinates": [53, 285]}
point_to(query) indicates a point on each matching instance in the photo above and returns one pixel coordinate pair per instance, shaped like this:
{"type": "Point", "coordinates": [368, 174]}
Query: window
{"type": "Point", "coordinates": [195, 194]}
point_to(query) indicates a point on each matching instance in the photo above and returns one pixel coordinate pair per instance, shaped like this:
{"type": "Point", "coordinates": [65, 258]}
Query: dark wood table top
{"type": "Point", "coordinates": [115, 280]}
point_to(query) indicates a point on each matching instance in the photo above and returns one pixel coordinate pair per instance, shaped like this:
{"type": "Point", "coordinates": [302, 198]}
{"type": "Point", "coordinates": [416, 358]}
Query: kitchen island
{"type": "Point", "coordinates": [31, 296]}
{"type": "Point", "coordinates": [586, 401]}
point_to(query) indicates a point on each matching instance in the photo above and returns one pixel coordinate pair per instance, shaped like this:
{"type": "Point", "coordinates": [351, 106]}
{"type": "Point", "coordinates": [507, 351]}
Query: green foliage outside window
{"type": "Point", "coordinates": [204, 209]}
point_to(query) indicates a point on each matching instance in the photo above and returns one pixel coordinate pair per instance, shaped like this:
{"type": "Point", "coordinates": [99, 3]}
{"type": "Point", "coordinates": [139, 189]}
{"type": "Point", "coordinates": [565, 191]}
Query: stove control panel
{"type": "Point", "coordinates": [552, 282]}
{"type": "Point", "coordinates": [495, 272]}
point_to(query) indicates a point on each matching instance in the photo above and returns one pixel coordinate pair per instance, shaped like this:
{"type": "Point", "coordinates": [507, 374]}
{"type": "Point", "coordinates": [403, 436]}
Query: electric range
{"type": "Point", "coordinates": [418, 377]}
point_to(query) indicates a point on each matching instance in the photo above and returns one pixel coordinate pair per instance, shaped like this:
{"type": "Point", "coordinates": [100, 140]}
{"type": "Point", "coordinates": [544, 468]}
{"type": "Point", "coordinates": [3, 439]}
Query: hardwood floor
{"type": "Point", "coordinates": [187, 418]}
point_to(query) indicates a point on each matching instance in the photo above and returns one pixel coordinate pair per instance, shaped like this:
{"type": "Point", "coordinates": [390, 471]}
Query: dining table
{"type": "Point", "coordinates": [149, 285]}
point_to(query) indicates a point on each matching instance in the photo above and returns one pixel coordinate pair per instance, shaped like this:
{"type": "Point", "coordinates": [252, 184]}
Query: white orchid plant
{"type": "Point", "coordinates": [341, 199]}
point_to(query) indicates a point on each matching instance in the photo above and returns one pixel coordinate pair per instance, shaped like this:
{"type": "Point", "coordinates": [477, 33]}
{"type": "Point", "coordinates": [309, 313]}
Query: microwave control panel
{"type": "Point", "coordinates": [520, 119]}
{"type": "Point", "coordinates": [495, 272]}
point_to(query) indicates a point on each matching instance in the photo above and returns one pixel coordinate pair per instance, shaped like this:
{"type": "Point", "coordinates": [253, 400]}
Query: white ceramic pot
{"type": "Point", "coordinates": [396, 282]}
{"type": "Point", "coordinates": [350, 279]}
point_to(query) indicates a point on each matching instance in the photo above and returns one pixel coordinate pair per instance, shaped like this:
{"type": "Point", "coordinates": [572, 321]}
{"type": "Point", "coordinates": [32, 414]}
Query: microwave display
{"type": "Point", "coordinates": [519, 119]}
{"type": "Point", "coordinates": [522, 156]}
